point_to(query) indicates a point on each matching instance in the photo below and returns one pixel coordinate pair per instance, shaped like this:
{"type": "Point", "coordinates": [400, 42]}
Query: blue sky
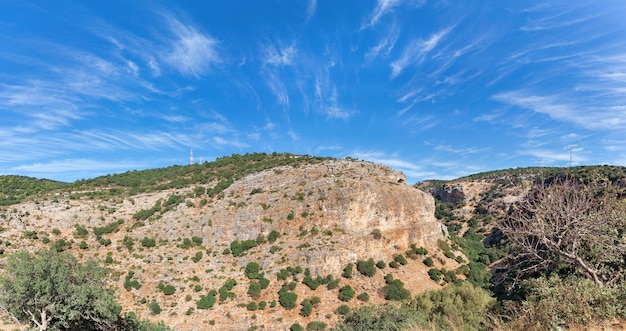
{"type": "Point", "coordinates": [435, 89]}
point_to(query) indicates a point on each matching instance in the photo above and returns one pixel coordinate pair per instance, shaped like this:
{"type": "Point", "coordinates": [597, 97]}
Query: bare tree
{"type": "Point", "coordinates": [567, 223]}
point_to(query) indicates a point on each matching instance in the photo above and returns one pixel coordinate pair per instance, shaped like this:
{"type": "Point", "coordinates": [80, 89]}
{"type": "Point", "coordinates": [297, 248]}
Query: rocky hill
{"type": "Point", "coordinates": [190, 233]}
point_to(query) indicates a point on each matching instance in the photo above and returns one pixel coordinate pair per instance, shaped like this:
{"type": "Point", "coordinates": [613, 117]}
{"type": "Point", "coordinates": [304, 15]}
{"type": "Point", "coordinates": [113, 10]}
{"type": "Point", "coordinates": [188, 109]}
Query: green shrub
{"type": "Point", "coordinates": [381, 264]}
{"type": "Point", "coordinates": [273, 236]}
{"type": "Point", "coordinates": [154, 307]}
{"type": "Point", "coordinates": [167, 289]}
{"type": "Point", "coordinates": [262, 305]}
{"type": "Point", "coordinates": [347, 271]}
{"type": "Point", "coordinates": [197, 257]}
{"type": "Point", "coordinates": [83, 245]}
{"type": "Point", "coordinates": [346, 293]}
{"type": "Point", "coordinates": [254, 290]}
{"type": "Point", "coordinates": [237, 248]}
{"type": "Point", "coordinates": [296, 327]}
{"type": "Point", "coordinates": [394, 290]}
{"type": "Point", "coordinates": [316, 326]}
{"type": "Point", "coordinates": [434, 274]}
{"type": "Point", "coordinates": [109, 228]}
{"type": "Point", "coordinates": [197, 240]}
{"type": "Point", "coordinates": [81, 231]}
{"type": "Point", "coordinates": [128, 242]}
{"type": "Point", "coordinates": [251, 306]}
{"type": "Point", "coordinates": [366, 268]}
{"type": "Point", "coordinates": [197, 288]}
{"type": "Point", "coordinates": [130, 283]}
{"type": "Point", "coordinates": [463, 303]}
{"type": "Point", "coordinates": [264, 282]}
{"type": "Point", "coordinates": [206, 302]}
{"type": "Point", "coordinates": [363, 297]}
{"type": "Point", "coordinates": [394, 264]}
{"type": "Point", "coordinates": [376, 234]}
{"type": "Point", "coordinates": [333, 284]}
{"type": "Point", "coordinates": [252, 270]}
{"type": "Point", "coordinates": [307, 308]}
{"type": "Point", "coordinates": [286, 298]}
{"type": "Point", "coordinates": [428, 262]}
{"type": "Point", "coordinates": [400, 259]}
{"type": "Point", "coordinates": [383, 317]}
{"type": "Point", "coordinates": [343, 310]}
{"type": "Point", "coordinates": [148, 242]}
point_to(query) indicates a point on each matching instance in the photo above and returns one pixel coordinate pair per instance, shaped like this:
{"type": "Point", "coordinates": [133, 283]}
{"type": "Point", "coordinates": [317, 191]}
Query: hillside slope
{"type": "Point", "coordinates": [192, 236]}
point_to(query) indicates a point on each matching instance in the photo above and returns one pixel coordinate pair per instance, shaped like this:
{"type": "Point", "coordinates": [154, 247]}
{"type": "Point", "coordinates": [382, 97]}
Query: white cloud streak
{"type": "Point", "coordinates": [415, 52]}
{"type": "Point", "coordinates": [192, 53]}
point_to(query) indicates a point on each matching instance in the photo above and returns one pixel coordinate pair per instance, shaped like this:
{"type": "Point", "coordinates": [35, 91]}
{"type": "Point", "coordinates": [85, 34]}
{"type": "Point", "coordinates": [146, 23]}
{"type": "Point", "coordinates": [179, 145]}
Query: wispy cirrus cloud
{"type": "Point", "coordinates": [192, 53]}
{"type": "Point", "coordinates": [566, 109]}
{"type": "Point", "coordinates": [279, 55]}
{"type": "Point", "coordinates": [384, 7]}
{"type": "Point", "coordinates": [310, 10]}
{"type": "Point", "coordinates": [416, 50]}
{"type": "Point", "coordinates": [385, 45]}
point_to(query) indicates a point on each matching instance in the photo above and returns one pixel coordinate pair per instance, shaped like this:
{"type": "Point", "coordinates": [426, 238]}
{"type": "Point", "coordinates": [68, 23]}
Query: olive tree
{"type": "Point", "coordinates": [52, 290]}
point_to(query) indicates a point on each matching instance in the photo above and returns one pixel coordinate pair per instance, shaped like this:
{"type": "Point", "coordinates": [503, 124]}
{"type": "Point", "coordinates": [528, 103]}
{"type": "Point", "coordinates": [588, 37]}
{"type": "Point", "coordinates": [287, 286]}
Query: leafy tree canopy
{"type": "Point", "coordinates": [52, 290]}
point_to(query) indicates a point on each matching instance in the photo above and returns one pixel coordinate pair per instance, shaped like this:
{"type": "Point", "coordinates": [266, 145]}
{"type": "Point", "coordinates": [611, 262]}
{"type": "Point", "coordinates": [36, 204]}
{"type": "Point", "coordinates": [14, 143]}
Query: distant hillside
{"type": "Point", "coordinates": [14, 189]}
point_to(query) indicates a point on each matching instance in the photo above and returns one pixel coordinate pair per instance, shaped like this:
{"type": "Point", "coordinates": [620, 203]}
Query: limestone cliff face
{"type": "Point", "coordinates": [347, 199]}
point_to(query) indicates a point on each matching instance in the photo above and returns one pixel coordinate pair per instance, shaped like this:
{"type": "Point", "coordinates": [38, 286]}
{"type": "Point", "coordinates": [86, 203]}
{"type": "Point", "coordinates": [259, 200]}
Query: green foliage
{"type": "Point", "coordinates": [400, 259]}
{"type": "Point", "coordinates": [130, 283]}
{"type": "Point", "coordinates": [148, 242]}
{"type": "Point", "coordinates": [556, 303]}
{"type": "Point", "coordinates": [224, 291]}
{"type": "Point", "coordinates": [382, 317]}
{"type": "Point", "coordinates": [394, 290]}
{"type": "Point", "coordinates": [197, 257]}
{"type": "Point", "coordinates": [13, 189]}
{"type": "Point", "coordinates": [428, 261]}
{"type": "Point", "coordinates": [167, 289]}
{"type": "Point", "coordinates": [463, 303]}
{"type": "Point", "coordinates": [333, 284]}
{"type": "Point", "coordinates": [366, 268]}
{"type": "Point", "coordinates": [78, 287]}
{"type": "Point", "coordinates": [128, 242]}
{"type": "Point", "coordinates": [346, 293]}
{"type": "Point", "coordinates": [296, 327]}
{"type": "Point", "coordinates": [343, 310]}
{"type": "Point", "coordinates": [307, 308]}
{"type": "Point", "coordinates": [316, 326]}
{"type": "Point", "coordinates": [81, 231]}
{"type": "Point", "coordinates": [83, 245]}
{"type": "Point", "coordinates": [28, 234]}
{"type": "Point", "coordinates": [154, 307]}
{"type": "Point", "coordinates": [251, 306]}
{"type": "Point", "coordinates": [196, 240]}
{"type": "Point", "coordinates": [237, 247]}
{"type": "Point", "coordinates": [61, 245]}
{"type": "Point", "coordinates": [376, 234]}
{"type": "Point", "coordinates": [144, 214]}
{"type": "Point", "coordinates": [273, 236]}
{"type": "Point", "coordinates": [206, 301]}
{"type": "Point", "coordinates": [347, 271]}
{"type": "Point", "coordinates": [254, 290]}
{"type": "Point", "coordinates": [252, 270]}
{"type": "Point", "coordinates": [109, 228]}
{"type": "Point", "coordinates": [434, 274]}
{"type": "Point", "coordinates": [363, 297]}
{"type": "Point", "coordinates": [381, 264]}
{"type": "Point", "coordinates": [286, 298]}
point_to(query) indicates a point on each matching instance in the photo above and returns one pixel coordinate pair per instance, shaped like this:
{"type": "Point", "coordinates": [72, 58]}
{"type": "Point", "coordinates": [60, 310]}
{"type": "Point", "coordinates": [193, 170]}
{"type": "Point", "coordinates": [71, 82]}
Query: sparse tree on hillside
{"type": "Point", "coordinates": [54, 291]}
{"type": "Point", "coordinates": [568, 223]}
